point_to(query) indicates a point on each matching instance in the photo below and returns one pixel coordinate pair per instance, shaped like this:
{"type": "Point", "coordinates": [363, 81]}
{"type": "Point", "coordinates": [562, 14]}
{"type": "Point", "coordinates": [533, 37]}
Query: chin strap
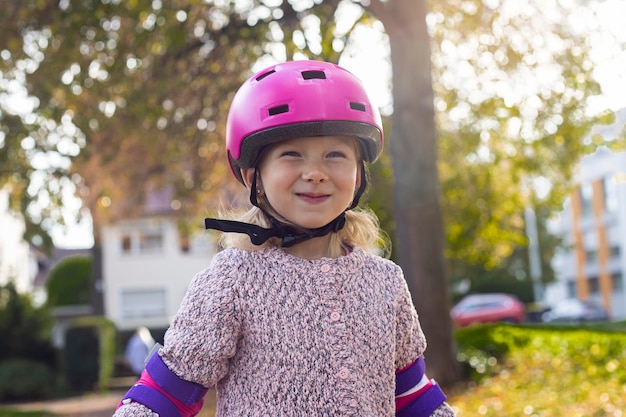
{"type": "Point", "coordinates": [290, 235]}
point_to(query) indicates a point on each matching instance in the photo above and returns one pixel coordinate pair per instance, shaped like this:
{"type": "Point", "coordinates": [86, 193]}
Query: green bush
{"type": "Point", "coordinates": [69, 282]}
{"type": "Point", "coordinates": [25, 329]}
{"type": "Point", "coordinates": [23, 379]}
{"type": "Point", "coordinates": [483, 348]}
{"type": "Point", "coordinates": [540, 370]}
{"type": "Point", "coordinates": [89, 354]}
{"type": "Point", "coordinates": [80, 357]}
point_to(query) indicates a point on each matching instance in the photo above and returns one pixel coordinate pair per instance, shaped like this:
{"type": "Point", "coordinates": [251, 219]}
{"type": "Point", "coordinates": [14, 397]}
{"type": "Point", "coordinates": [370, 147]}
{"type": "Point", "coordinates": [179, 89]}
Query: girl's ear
{"type": "Point", "coordinates": [248, 176]}
{"type": "Point", "coordinates": [359, 175]}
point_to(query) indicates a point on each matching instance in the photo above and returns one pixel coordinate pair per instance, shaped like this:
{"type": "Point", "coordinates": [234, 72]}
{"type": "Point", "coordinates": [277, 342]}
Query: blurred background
{"type": "Point", "coordinates": [112, 116]}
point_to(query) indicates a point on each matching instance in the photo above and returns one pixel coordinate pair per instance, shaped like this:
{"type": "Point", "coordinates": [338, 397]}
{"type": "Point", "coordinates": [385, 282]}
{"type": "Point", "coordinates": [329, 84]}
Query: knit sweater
{"type": "Point", "coordinates": [283, 336]}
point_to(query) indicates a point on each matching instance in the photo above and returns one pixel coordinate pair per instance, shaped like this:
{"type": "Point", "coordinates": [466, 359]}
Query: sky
{"type": "Point", "coordinates": [610, 70]}
{"type": "Point", "coordinates": [370, 63]}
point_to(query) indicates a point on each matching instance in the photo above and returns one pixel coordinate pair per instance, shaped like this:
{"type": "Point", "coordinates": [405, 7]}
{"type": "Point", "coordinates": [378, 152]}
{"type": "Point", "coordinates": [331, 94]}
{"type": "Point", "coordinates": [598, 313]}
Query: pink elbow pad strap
{"type": "Point", "coordinates": [184, 391]}
{"type": "Point", "coordinates": [164, 392]}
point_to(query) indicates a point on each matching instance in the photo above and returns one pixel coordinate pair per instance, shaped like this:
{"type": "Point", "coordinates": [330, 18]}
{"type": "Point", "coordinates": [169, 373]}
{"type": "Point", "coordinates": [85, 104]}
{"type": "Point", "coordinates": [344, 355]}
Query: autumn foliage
{"type": "Point", "coordinates": [542, 371]}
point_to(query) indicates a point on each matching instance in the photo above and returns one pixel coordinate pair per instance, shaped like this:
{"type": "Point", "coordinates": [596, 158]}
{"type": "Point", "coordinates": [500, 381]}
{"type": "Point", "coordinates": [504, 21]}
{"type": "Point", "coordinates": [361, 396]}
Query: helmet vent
{"type": "Point", "coordinates": [310, 75]}
{"type": "Point", "coordinates": [260, 77]}
{"type": "Point", "coordinates": [357, 106]}
{"type": "Point", "coordinates": [279, 109]}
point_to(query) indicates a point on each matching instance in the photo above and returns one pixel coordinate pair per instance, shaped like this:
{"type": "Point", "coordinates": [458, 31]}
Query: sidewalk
{"type": "Point", "coordinates": [97, 405]}
{"type": "Point", "coordinates": [91, 405]}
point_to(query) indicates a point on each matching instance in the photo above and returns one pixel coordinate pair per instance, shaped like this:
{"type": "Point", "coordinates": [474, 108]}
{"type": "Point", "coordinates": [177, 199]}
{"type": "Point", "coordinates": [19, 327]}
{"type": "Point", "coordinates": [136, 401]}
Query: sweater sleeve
{"type": "Point", "coordinates": [411, 341]}
{"type": "Point", "coordinates": [204, 333]}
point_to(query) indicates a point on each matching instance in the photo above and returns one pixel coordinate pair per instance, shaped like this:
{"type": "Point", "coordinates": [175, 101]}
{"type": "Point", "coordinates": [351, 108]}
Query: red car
{"type": "Point", "coordinates": [488, 308]}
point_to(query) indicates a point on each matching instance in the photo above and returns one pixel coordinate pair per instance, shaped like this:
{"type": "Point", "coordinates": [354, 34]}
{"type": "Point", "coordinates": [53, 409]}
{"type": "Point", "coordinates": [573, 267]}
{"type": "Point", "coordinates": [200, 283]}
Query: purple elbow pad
{"type": "Point", "coordinates": [164, 392]}
{"type": "Point", "coordinates": [428, 401]}
{"type": "Point", "coordinates": [425, 404]}
{"type": "Point", "coordinates": [184, 391]}
{"type": "Point", "coordinates": [406, 379]}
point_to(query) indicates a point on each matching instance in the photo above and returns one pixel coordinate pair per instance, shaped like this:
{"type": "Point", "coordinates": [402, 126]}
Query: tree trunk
{"type": "Point", "coordinates": [413, 147]}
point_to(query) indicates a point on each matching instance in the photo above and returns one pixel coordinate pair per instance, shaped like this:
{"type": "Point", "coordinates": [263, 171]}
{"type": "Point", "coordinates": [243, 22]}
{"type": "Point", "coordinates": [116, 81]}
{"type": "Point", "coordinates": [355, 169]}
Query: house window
{"type": "Point", "coordinates": [591, 256]}
{"type": "Point", "coordinates": [151, 241]}
{"type": "Point", "coordinates": [571, 289]}
{"type": "Point", "coordinates": [143, 303]}
{"type": "Point", "coordinates": [144, 239]}
{"type": "Point", "coordinates": [126, 244]}
{"type": "Point", "coordinates": [183, 242]}
{"type": "Point", "coordinates": [594, 285]}
{"type": "Point", "coordinates": [618, 282]}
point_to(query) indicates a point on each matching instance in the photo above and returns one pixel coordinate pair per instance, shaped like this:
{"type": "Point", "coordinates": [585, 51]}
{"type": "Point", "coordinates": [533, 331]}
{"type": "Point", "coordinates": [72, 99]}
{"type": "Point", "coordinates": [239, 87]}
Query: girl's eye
{"type": "Point", "coordinates": [336, 154]}
{"type": "Point", "coordinates": [290, 153]}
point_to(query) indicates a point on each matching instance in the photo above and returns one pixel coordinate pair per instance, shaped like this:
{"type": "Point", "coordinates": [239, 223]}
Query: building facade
{"type": "Point", "coordinates": [146, 267]}
{"type": "Point", "coordinates": [592, 263]}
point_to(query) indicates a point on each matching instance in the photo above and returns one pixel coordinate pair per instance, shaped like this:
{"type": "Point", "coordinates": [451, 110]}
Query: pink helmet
{"type": "Point", "coordinates": [297, 99]}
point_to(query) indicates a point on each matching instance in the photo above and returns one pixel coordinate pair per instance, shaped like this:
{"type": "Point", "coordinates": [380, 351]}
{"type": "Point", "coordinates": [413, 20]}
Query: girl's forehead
{"type": "Point", "coordinates": [321, 141]}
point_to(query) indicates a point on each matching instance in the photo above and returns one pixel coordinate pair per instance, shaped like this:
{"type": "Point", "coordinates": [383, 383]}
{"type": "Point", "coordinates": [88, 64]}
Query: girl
{"type": "Point", "coordinates": [295, 317]}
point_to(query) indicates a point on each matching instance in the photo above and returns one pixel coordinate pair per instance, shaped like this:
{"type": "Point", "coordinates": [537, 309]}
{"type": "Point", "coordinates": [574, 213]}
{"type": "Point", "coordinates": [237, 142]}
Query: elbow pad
{"type": "Point", "coordinates": [416, 394]}
{"type": "Point", "coordinates": [162, 391]}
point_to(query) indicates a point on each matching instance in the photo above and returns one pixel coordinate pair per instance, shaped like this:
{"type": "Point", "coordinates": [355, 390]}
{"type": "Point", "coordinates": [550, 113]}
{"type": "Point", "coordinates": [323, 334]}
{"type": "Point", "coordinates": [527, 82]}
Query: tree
{"type": "Point", "coordinates": [27, 357]}
{"type": "Point", "coordinates": [493, 154]}
{"type": "Point", "coordinates": [413, 146]}
{"type": "Point", "coordinates": [138, 81]}
{"type": "Point", "coordinates": [512, 93]}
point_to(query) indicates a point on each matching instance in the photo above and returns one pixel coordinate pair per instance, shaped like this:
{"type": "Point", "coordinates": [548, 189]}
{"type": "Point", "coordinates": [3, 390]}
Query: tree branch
{"type": "Point", "coordinates": [376, 8]}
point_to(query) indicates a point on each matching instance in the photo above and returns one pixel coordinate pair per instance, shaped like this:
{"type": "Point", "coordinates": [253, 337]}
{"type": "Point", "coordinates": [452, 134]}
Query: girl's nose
{"type": "Point", "coordinates": [313, 173]}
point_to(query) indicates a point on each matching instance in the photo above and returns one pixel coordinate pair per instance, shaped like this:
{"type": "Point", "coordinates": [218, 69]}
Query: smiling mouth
{"type": "Point", "coordinates": [313, 197]}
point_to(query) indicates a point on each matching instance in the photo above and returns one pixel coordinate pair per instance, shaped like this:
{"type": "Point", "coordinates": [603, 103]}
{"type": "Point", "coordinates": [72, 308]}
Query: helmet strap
{"type": "Point", "coordinates": [290, 235]}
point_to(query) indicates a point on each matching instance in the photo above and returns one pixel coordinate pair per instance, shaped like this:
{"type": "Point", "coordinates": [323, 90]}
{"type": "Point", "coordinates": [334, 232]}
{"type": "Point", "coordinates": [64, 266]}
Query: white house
{"type": "Point", "coordinates": [147, 266]}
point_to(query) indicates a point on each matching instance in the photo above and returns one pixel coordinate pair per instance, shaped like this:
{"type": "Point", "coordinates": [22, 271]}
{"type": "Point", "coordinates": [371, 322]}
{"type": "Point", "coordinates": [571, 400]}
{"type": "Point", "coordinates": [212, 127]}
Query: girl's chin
{"type": "Point", "coordinates": [312, 220]}
{"type": "Point", "coordinates": [315, 225]}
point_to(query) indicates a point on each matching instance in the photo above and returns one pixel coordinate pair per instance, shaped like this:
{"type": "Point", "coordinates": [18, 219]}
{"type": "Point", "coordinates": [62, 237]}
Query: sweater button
{"type": "Point", "coordinates": [335, 316]}
{"type": "Point", "coordinates": [343, 373]}
{"type": "Point", "coordinates": [325, 268]}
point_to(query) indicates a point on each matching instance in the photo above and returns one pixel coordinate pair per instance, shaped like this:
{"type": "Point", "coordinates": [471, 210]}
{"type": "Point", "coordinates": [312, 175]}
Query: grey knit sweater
{"type": "Point", "coordinates": [284, 336]}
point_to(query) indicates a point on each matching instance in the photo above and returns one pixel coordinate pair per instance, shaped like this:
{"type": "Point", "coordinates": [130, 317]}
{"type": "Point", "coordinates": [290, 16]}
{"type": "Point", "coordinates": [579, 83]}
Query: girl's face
{"type": "Point", "coordinates": [309, 181]}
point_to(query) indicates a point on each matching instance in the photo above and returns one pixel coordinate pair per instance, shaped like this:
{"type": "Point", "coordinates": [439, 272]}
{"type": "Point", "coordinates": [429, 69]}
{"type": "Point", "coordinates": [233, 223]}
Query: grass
{"type": "Point", "coordinates": [10, 412]}
{"type": "Point", "coordinates": [542, 371]}
{"type": "Point", "coordinates": [524, 370]}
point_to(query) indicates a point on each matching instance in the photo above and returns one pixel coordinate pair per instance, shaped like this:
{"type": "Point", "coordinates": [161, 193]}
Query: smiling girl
{"type": "Point", "coordinates": [296, 317]}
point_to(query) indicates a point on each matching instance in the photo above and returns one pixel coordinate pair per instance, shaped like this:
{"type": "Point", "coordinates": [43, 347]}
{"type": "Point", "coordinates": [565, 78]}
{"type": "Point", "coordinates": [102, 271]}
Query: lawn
{"type": "Point", "coordinates": [542, 371]}
{"type": "Point", "coordinates": [9, 412]}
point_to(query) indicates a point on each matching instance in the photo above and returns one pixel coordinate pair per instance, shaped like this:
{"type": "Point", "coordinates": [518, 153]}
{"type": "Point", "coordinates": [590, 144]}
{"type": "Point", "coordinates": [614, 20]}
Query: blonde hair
{"type": "Point", "coordinates": [361, 230]}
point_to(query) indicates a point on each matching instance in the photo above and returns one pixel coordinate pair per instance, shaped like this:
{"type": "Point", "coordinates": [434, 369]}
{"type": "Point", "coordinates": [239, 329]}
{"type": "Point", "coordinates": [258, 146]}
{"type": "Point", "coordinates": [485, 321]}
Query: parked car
{"type": "Point", "coordinates": [488, 308]}
{"type": "Point", "coordinates": [576, 311]}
